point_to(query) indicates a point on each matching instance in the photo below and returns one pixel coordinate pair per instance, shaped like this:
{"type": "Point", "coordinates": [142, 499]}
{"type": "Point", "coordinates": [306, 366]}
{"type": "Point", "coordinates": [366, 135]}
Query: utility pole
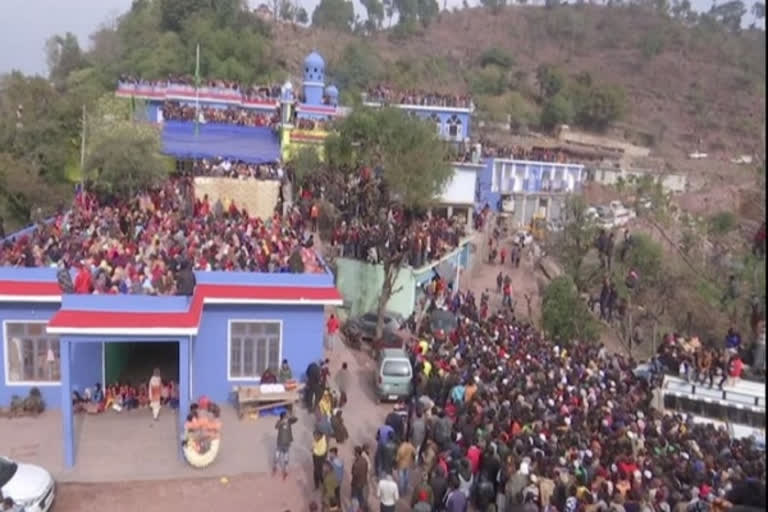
{"type": "Point", "coordinates": [197, 90]}
{"type": "Point", "coordinates": [82, 148]}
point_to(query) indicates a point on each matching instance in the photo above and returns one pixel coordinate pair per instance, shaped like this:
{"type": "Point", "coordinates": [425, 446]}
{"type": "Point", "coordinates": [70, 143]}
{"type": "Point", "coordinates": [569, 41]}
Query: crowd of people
{"type": "Point", "coordinates": [122, 396]}
{"type": "Point", "coordinates": [366, 227]}
{"type": "Point", "coordinates": [222, 167]}
{"type": "Point", "coordinates": [310, 124]}
{"type": "Point", "coordinates": [253, 92]}
{"type": "Point", "coordinates": [176, 111]}
{"type": "Point", "coordinates": [517, 152]}
{"type": "Point", "coordinates": [502, 416]}
{"type": "Point", "coordinates": [152, 243]}
{"type": "Point", "coordinates": [424, 240]}
{"type": "Point", "coordinates": [385, 94]}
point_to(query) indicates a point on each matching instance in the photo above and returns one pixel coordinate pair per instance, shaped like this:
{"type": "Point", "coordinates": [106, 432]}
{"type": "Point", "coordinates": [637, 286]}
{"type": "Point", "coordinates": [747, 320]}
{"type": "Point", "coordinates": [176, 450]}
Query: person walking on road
{"type": "Point", "coordinates": [319, 453]}
{"type": "Point", "coordinates": [284, 439]}
{"type": "Point", "coordinates": [338, 469]}
{"type": "Point", "coordinates": [332, 327]}
{"type": "Point", "coordinates": [359, 479]}
{"type": "Point", "coordinates": [387, 493]}
{"type": "Point", "coordinates": [155, 393]}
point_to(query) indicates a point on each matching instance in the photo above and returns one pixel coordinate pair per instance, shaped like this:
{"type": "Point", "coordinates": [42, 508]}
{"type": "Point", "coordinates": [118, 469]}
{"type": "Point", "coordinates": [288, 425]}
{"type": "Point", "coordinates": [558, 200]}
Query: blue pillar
{"type": "Point", "coordinates": [184, 391]}
{"type": "Point", "coordinates": [65, 349]}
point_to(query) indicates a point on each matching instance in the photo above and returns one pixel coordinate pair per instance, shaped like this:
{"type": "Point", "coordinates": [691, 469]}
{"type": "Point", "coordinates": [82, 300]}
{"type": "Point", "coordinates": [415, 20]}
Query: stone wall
{"type": "Point", "coordinates": [259, 197]}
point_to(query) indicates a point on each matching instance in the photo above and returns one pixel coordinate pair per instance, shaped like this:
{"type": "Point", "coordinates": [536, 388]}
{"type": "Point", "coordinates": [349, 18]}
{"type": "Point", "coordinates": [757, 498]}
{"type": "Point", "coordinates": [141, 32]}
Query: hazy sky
{"type": "Point", "coordinates": [26, 24]}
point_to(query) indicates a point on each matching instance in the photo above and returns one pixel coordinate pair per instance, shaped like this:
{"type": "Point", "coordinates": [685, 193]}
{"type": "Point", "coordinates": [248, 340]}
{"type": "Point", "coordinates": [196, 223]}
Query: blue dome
{"type": "Point", "coordinates": [331, 91]}
{"type": "Point", "coordinates": [314, 60]}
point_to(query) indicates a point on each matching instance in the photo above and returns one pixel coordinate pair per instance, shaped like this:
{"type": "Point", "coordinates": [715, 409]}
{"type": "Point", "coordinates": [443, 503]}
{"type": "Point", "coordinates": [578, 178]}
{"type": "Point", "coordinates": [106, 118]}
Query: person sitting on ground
{"type": "Point", "coordinates": [165, 393]}
{"type": "Point", "coordinates": [143, 398]}
{"type": "Point", "coordinates": [174, 398]}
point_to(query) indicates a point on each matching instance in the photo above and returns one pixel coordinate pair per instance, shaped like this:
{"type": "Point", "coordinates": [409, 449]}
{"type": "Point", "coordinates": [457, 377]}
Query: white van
{"type": "Point", "coordinates": [30, 486]}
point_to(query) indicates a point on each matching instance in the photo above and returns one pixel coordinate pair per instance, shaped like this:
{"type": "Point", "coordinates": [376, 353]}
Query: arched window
{"type": "Point", "coordinates": [454, 127]}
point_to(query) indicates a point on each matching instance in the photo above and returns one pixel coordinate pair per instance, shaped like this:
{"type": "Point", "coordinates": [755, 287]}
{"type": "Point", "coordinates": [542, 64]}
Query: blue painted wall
{"type": "Point", "coordinates": [86, 359]}
{"type": "Point", "coordinates": [302, 343]}
{"type": "Point", "coordinates": [444, 117]}
{"type": "Point", "coordinates": [30, 312]}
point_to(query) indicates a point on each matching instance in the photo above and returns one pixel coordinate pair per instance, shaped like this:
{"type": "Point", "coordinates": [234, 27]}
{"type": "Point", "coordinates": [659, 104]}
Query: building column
{"type": "Point", "coordinates": [184, 391]}
{"type": "Point", "coordinates": [68, 426]}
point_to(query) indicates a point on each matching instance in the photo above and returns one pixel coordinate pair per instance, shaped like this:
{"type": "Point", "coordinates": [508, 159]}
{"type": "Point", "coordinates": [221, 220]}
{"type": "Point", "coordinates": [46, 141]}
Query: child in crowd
{"type": "Point", "coordinates": [165, 393]}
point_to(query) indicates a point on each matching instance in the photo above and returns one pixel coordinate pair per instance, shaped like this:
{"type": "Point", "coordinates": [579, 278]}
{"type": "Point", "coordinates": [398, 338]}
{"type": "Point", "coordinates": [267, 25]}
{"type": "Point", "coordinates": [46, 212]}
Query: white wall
{"type": "Point", "coordinates": [460, 188]}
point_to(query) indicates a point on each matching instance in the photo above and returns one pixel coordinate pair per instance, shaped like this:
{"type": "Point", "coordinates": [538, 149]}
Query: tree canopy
{"type": "Point", "coordinates": [406, 150]}
{"type": "Point", "coordinates": [334, 14]}
{"type": "Point", "coordinates": [564, 314]}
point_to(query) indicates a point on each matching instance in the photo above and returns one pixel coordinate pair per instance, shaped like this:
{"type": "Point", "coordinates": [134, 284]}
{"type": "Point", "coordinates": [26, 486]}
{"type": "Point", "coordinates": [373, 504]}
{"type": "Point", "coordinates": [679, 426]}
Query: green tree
{"type": "Point", "coordinates": [551, 80]}
{"type": "Point", "coordinates": [557, 110]}
{"type": "Point", "coordinates": [23, 189]}
{"type": "Point", "coordinates": [304, 163]}
{"type": "Point", "coordinates": [173, 13]}
{"type": "Point", "coordinates": [301, 16]}
{"type": "Point", "coordinates": [496, 57]}
{"type": "Point", "coordinates": [412, 164]}
{"type": "Point", "coordinates": [358, 66]}
{"type": "Point", "coordinates": [564, 315]}
{"type": "Point", "coordinates": [63, 55]}
{"type": "Point", "coordinates": [494, 6]}
{"type": "Point", "coordinates": [375, 18]}
{"type": "Point", "coordinates": [334, 14]}
{"type": "Point", "coordinates": [32, 126]}
{"type": "Point", "coordinates": [407, 150]}
{"type": "Point", "coordinates": [576, 240]}
{"type": "Point", "coordinates": [729, 14]}
{"type": "Point", "coordinates": [124, 157]}
{"type": "Point", "coordinates": [603, 106]}
{"type": "Point", "coordinates": [722, 223]}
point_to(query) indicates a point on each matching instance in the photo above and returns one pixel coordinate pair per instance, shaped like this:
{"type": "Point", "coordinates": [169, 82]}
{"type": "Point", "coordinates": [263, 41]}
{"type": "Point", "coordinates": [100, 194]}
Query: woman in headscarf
{"type": "Point", "coordinates": [155, 393]}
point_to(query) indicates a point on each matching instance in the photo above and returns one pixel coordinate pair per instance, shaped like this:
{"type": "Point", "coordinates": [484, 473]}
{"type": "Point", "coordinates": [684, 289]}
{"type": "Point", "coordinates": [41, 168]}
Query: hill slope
{"type": "Point", "coordinates": [683, 85]}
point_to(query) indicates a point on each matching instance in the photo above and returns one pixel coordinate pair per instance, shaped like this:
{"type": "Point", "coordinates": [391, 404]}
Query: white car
{"type": "Point", "coordinates": [28, 485]}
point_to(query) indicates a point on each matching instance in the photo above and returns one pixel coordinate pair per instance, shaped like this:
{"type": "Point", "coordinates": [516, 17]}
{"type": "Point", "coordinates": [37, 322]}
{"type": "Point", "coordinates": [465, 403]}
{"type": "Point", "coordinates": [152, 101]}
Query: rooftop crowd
{"type": "Point", "coordinates": [252, 92]}
{"type": "Point", "coordinates": [522, 153]}
{"type": "Point", "coordinates": [224, 168]}
{"type": "Point", "coordinates": [151, 244]}
{"type": "Point", "coordinates": [500, 415]}
{"type": "Point", "coordinates": [175, 111]}
{"type": "Point", "coordinates": [389, 95]}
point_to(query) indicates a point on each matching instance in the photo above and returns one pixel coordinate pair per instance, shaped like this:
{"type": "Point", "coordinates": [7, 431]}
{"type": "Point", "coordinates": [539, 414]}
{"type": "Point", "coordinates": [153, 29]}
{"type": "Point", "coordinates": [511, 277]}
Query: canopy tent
{"type": "Point", "coordinates": [252, 144]}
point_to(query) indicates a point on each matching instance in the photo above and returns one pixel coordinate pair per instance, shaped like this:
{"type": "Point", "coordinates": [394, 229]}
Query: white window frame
{"type": "Point", "coordinates": [229, 345]}
{"type": "Point", "coordinates": [6, 340]}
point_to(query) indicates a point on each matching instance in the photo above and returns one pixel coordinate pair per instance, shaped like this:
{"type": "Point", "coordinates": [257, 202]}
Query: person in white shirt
{"type": "Point", "coordinates": [387, 493]}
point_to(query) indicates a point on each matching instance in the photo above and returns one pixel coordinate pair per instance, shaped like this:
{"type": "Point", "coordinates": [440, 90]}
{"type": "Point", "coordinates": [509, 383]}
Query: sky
{"type": "Point", "coordinates": [25, 25]}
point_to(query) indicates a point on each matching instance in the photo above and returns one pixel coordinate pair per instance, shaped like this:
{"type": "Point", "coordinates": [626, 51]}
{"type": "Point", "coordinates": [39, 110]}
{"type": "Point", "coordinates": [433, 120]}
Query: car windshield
{"type": "Point", "coordinates": [7, 470]}
{"type": "Point", "coordinates": [398, 368]}
{"type": "Point", "coordinates": [369, 317]}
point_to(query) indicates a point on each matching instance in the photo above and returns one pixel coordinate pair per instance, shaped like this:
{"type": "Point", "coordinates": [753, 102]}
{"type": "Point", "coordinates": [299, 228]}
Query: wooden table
{"type": "Point", "coordinates": [250, 399]}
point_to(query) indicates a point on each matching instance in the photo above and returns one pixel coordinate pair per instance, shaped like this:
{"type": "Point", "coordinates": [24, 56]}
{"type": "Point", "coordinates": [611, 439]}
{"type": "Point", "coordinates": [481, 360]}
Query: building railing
{"type": "Point", "coordinates": [184, 92]}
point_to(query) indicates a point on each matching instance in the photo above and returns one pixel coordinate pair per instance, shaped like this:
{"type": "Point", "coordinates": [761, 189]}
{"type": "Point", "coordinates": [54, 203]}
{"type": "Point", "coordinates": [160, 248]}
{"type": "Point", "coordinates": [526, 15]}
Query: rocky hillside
{"type": "Point", "coordinates": [685, 86]}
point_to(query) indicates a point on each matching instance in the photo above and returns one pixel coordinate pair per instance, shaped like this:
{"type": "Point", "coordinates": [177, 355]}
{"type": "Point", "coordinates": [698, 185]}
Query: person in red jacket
{"type": "Point", "coordinates": [83, 279]}
{"type": "Point", "coordinates": [333, 327]}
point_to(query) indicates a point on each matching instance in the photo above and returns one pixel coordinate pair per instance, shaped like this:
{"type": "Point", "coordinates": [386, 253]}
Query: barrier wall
{"type": "Point", "coordinates": [360, 282]}
{"type": "Point", "coordinates": [259, 197]}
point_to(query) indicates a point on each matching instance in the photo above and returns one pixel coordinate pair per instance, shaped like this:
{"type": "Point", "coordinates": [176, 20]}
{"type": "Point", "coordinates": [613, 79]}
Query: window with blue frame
{"type": "Point", "coordinates": [254, 346]}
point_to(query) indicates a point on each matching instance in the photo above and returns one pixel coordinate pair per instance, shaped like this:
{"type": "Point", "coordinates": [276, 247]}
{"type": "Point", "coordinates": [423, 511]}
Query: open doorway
{"type": "Point", "coordinates": [132, 362]}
